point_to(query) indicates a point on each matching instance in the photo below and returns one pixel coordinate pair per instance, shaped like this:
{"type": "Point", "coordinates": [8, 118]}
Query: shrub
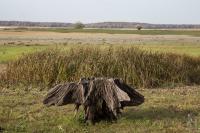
{"type": "Point", "coordinates": [139, 27]}
{"type": "Point", "coordinates": [135, 66]}
{"type": "Point", "coordinates": [79, 25]}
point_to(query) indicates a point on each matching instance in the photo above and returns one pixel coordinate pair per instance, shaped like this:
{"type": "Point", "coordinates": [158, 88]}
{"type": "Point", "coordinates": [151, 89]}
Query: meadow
{"type": "Point", "coordinates": [112, 31]}
{"type": "Point", "coordinates": [8, 53]}
{"type": "Point", "coordinates": [165, 110]}
{"type": "Point", "coordinates": [11, 52]}
{"type": "Point", "coordinates": [167, 67]}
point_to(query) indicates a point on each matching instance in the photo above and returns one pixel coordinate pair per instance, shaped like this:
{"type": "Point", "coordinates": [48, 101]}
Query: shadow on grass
{"type": "Point", "coordinates": [160, 113]}
{"type": "Point", "coordinates": [1, 130]}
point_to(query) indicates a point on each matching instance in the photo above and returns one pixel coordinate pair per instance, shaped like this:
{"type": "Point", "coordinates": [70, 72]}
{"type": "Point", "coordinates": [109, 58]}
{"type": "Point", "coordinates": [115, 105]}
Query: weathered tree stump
{"type": "Point", "coordinates": [102, 98]}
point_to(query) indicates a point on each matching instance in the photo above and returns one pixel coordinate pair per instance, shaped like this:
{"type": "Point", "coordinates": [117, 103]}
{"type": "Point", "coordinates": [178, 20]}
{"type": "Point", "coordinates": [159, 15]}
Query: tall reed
{"type": "Point", "coordinates": [135, 66]}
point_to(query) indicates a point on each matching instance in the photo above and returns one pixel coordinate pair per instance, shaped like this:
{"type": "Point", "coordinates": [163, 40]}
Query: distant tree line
{"type": "Point", "coordinates": [141, 25]}
{"type": "Point", "coordinates": [80, 25]}
{"type": "Point", "coordinates": [34, 24]}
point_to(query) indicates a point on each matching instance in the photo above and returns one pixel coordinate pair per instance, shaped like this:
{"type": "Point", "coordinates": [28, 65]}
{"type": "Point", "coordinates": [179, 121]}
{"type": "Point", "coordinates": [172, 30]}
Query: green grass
{"type": "Point", "coordinates": [164, 110]}
{"type": "Point", "coordinates": [114, 31]}
{"type": "Point", "coordinates": [122, 31]}
{"type": "Point", "coordinates": [192, 49]}
{"type": "Point", "coordinates": [8, 53]}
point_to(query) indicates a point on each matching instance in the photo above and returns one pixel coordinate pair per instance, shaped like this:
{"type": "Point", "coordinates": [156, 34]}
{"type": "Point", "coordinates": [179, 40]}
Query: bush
{"type": "Point", "coordinates": [139, 27]}
{"type": "Point", "coordinates": [79, 25]}
{"type": "Point", "coordinates": [136, 67]}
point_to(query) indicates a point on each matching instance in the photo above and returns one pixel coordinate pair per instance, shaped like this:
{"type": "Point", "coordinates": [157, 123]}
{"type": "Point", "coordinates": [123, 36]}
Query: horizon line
{"type": "Point", "coordinates": [98, 22]}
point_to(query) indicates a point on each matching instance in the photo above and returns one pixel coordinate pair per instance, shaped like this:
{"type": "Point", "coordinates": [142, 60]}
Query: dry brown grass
{"type": "Point", "coordinates": [2, 67]}
{"type": "Point", "coordinates": [135, 66]}
{"type": "Point", "coordinates": [42, 37]}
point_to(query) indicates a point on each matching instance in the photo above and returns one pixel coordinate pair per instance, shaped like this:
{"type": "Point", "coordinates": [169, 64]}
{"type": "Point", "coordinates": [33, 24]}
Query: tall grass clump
{"type": "Point", "coordinates": [135, 66]}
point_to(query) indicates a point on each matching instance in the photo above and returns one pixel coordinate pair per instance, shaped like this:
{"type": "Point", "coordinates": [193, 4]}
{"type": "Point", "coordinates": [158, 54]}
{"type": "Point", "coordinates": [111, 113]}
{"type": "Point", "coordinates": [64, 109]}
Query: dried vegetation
{"type": "Point", "coordinates": [135, 66]}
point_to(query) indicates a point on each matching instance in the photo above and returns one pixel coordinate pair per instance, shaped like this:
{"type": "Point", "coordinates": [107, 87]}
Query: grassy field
{"type": "Point", "coordinates": [8, 53]}
{"type": "Point", "coordinates": [178, 48]}
{"type": "Point", "coordinates": [142, 32]}
{"type": "Point", "coordinates": [14, 43]}
{"type": "Point", "coordinates": [164, 111]}
{"type": "Point", "coordinates": [113, 31]}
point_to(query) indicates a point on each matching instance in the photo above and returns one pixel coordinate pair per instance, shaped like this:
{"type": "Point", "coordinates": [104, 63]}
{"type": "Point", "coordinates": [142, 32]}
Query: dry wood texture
{"type": "Point", "coordinates": [102, 98]}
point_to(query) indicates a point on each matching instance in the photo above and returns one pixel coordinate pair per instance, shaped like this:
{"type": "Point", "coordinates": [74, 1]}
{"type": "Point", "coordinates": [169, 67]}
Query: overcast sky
{"type": "Point", "coordinates": [150, 11]}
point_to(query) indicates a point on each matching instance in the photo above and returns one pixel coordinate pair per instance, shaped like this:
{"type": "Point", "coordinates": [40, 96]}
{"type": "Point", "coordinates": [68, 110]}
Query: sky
{"type": "Point", "coordinates": [89, 11]}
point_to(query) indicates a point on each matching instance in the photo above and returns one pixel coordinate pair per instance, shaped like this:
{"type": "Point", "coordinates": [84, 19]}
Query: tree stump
{"type": "Point", "coordinates": [102, 98]}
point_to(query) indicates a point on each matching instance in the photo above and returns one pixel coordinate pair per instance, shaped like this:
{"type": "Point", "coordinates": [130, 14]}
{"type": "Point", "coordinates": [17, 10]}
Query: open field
{"type": "Point", "coordinates": [14, 44]}
{"type": "Point", "coordinates": [45, 37]}
{"type": "Point", "coordinates": [10, 52]}
{"type": "Point", "coordinates": [165, 110]}
{"type": "Point", "coordinates": [191, 32]}
{"type": "Point", "coordinates": [117, 31]}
